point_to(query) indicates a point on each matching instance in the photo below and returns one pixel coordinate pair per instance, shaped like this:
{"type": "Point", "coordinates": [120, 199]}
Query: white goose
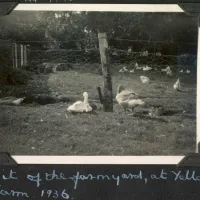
{"type": "Point", "coordinates": [80, 106]}
{"type": "Point", "coordinates": [127, 99]}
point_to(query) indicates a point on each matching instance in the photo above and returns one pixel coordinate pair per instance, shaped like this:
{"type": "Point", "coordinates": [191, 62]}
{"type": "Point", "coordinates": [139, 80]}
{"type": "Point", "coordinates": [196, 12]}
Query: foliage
{"type": "Point", "coordinates": [78, 30]}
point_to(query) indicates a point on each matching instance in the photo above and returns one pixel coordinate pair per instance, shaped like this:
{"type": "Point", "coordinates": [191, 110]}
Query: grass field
{"type": "Point", "coordinates": [50, 130]}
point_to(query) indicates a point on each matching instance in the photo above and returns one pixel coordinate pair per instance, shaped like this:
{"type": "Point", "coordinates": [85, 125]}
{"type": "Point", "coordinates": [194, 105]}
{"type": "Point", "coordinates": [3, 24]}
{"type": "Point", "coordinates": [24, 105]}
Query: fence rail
{"type": "Point", "coordinates": [121, 51]}
{"type": "Point", "coordinates": [13, 54]}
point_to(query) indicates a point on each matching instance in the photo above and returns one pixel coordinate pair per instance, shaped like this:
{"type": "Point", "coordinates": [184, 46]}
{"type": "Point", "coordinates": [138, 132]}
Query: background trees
{"type": "Point", "coordinates": [63, 29]}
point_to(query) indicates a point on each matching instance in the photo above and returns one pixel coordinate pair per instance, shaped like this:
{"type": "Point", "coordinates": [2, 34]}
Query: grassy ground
{"type": "Point", "coordinates": [50, 130]}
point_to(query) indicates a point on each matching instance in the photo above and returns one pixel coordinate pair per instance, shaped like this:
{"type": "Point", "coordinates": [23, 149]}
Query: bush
{"type": "Point", "coordinates": [9, 76]}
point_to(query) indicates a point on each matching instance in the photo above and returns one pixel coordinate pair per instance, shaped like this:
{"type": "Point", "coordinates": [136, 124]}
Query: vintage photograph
{"type": "Point", "coordinates": [98, 83]}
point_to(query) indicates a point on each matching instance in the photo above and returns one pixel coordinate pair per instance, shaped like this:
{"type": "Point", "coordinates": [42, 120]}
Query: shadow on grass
{"type": "Point", "coordinates": [145, 117]}
{"type": "Point", "coordinates": [83, 113]}
{"type": "Point", "coordinates": [20, 83]}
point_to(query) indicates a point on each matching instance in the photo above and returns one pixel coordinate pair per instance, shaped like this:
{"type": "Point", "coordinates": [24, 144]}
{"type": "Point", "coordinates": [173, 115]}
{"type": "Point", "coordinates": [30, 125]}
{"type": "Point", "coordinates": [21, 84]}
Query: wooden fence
{"type": "Point", "coordinates": [12, 54]}
{"type": "Point", "coordinates": [19, 55]}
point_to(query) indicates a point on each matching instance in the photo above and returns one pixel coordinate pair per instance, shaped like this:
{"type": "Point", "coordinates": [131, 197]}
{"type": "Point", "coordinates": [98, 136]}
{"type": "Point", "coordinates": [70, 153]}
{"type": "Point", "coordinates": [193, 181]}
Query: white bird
{"type": "Point", "coordinates": [115, 54]}
{"type": "Point", "coordinates": [166, 69]}
{"type": "Point", "coordinates": [169, 72]}
{"type": "Point", "coordinates": [144, 79]}
{"type": "Point", "coordinates": [158, 54]}
{"type": "Point", "coordinates": [147, 68]}
{"type": "Point", "coordinates": [144, 53]}
{"type": "Point", "coordinates": [129, 49]}
{"type": "Point", "coordinates": [132, 71]}
{"type": "Point", "coordinates": [139, 68]}
{"type": "Point", "coordinates": [188, 71]}
{"type": "Point", "coordinates": [181, 71]}
{"type": "Point", "coordinates": [127, 99]}
{"type": "Point", "coordinates": [136, 64]}
{"type": "Point", "coordinates": [121, 71]}
{"type": "Point", "coordinates": [125, 68]}
{"type": "Point", "coordinates": [18, 101]}
{"type": "Point", "coordinates": [79, 106]}
{"type": "Point", "coordinates": [177, 85]}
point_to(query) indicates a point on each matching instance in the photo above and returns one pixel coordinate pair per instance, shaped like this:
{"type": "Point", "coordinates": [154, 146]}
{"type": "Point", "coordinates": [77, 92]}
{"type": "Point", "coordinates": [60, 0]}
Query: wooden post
{"type": "Point", "coordinates": [22, 55]}
{"type": "Point", "coordinates": [13, 55]}
{"type": "Point", "coordinates": [107, 82]}
{"type": "Point", "coordinates": [198, 83]}
{"type": "Point", "coordinates": [100, 95]}
{"type": "Point", "coordinates": [25, 55]}
{"type": "Point", "coordinates": [16, 59]}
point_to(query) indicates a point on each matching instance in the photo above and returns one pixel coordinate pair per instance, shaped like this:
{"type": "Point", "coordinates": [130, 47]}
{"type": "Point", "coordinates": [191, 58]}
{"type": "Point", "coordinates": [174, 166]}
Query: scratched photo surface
{"type": "Point", "coordinates": [98, 83]}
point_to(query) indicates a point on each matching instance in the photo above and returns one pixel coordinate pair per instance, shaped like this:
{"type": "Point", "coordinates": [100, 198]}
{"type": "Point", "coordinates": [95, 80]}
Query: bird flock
{"type": "Point", "coordinates": [126, 98]}
{"type": "Point", "coordinates": [166, 70]}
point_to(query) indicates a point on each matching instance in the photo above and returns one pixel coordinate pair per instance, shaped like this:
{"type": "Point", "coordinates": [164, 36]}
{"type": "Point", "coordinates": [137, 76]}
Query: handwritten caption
{"type": "Point", "coordinates": [39, 180]}
{"type": "Point", "coordinates": [38, 1]}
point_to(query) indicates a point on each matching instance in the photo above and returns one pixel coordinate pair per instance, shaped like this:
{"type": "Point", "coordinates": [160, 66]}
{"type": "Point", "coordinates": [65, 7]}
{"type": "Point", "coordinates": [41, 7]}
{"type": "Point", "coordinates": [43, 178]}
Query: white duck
{"type": "Point", "coordinates": [80, 106]}
{"type": "Point", "coordinates": [127, 99]}
{"type": "Point", "coordinates": [129, 50]}
{"type": "Point", "coordinates": [181, 71]}
{"type": "Point", "coordinates": [18, 101]}
{"type": "Point", "coordinates": [144, 79]}
{"type": "Point", "coordinates": [147, 68]}
{"type": "Point", "coordinates": [139, 67]}
{"type": "Point", "coordinates": [125, 69]}
{"type": "Point", "coordinates": [11, 100]}
{"type": "Point", "coordinates": [132, 71]}
{"type": "Point", "coordinates": [169, 72]}
{"type": "Point", "coordinates": [188, 71]}
{"type": "Point", "coordinates": [166, 69]}
{"type": "Point", "coordinates": [177, 85]}
{"type": "Point", "coordinates": [145, 53]}
{"type": "Point", "coordinates": [136, 64]}
{"type": "Point", "coordinates": [115, 54]}
{"type": "Point", "coordinates": [158, 54]}
{"type": "Point", "coordinates": [121, 71]}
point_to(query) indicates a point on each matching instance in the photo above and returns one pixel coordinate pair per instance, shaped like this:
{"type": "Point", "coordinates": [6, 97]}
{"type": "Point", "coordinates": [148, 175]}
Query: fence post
{"type": "Point", "coordinates": [25, 55]}
{"type": "Point", "coordinates": [198, 81]}
{"type": "Point", "coordinates": [100, 95]}
{"type": "Point", "coordinates": [15, 53]}
{"type": "Point", "coordinates": [22, 55]}
{"type": "Point", "coordinates": [107, 81]}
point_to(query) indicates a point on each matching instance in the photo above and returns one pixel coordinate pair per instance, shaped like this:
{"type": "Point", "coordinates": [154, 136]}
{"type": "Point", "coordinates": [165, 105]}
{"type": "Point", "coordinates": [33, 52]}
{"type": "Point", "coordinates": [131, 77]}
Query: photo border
{"type": "Point", "coordinates": [172, 8]}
